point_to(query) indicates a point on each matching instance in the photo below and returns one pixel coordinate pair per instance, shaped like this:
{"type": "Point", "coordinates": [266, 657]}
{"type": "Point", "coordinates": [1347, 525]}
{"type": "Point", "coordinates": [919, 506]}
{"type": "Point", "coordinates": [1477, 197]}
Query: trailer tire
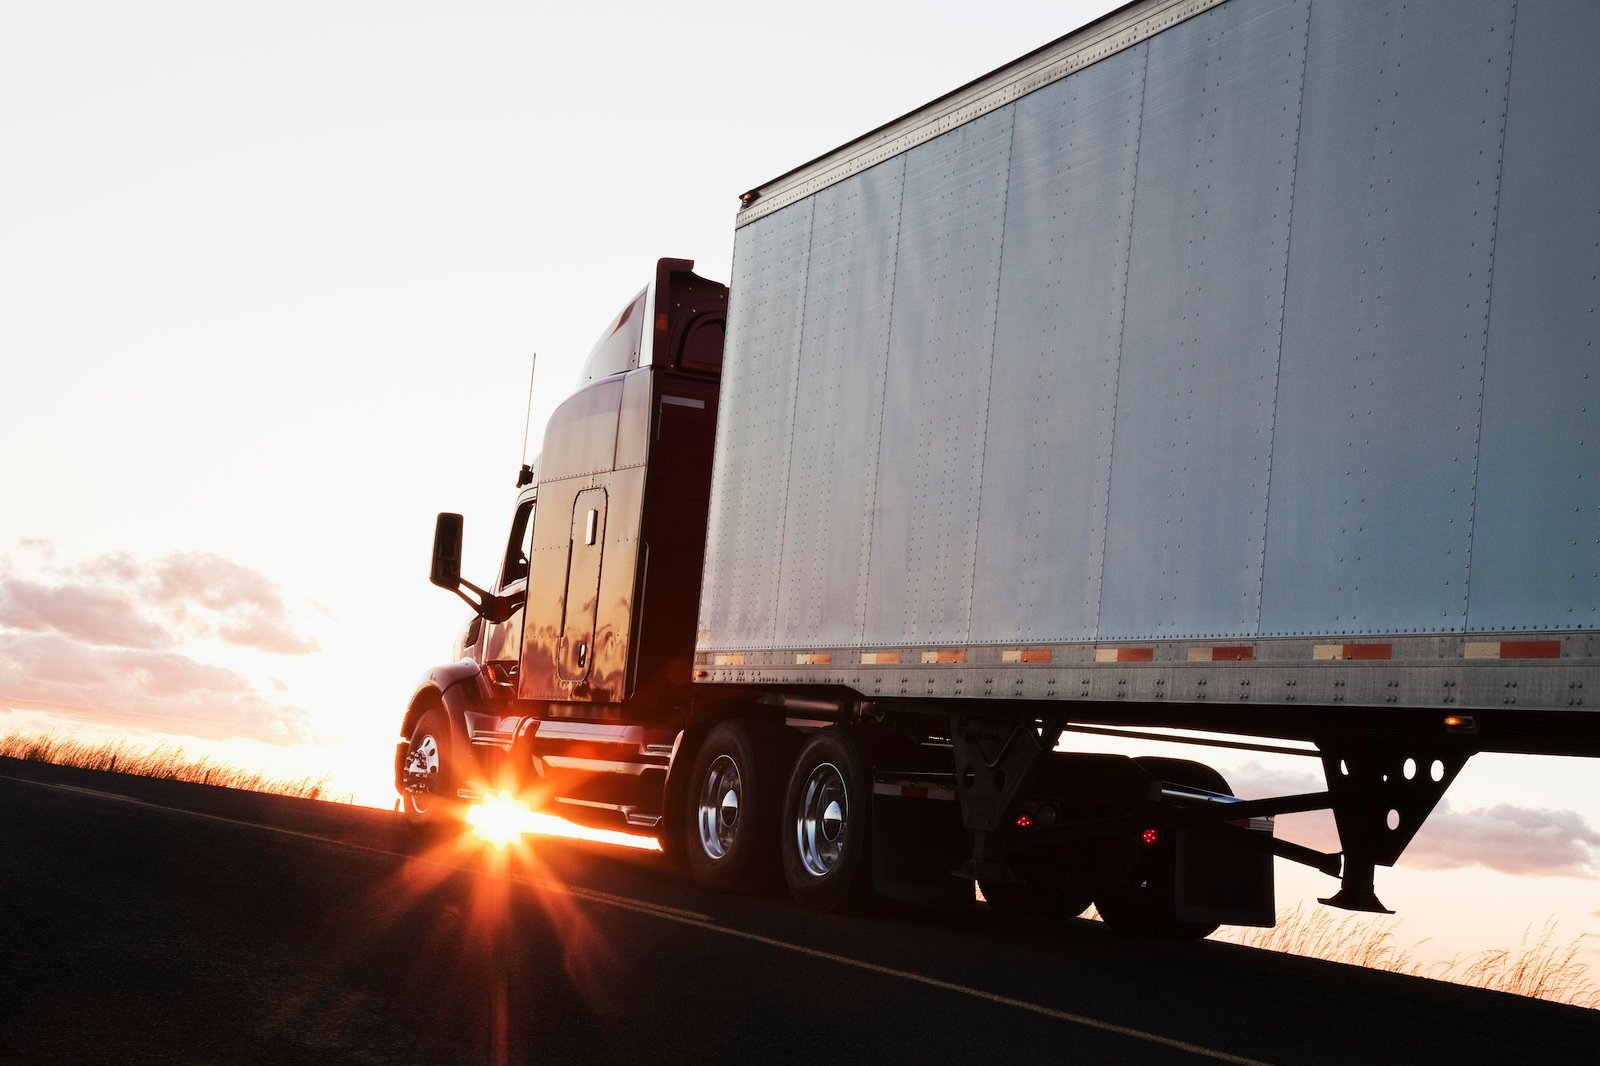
{"type": "Point", "coordinates": [1120, 908]}
{"type": "Point", "coordinates": [1185, 772]}
{"type": "Point", "coordinates": [1029, 899]}
{"type": "Point", "coordinates": [731, 804]}
{"type": "Point", "coordinates": [428, 756]}
{"type": "Point", "coordinates": [826, 847]}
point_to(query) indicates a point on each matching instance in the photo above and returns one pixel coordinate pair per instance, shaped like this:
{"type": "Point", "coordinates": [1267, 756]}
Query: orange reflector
{"type": "Point", "coordinates": [1513, 649]}
{"type": "Point", "coordinates": [1229, 654]}
{"type": "Point", "coordinates": [1341, 652]}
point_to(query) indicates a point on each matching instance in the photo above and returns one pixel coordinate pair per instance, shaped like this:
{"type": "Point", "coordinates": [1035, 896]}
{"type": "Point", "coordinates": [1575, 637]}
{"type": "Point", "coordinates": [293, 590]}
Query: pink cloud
{"type": "Point", "coordinates": [1523, 841]}
{"type": "Point", "coordinates": [186, 578]}
{"type": "Point", "coordinates": [117, 600]}
{"type": "Point", "coordinates": [265, 634]}
{"type": "Point", "coordinates": [82, 612]}
{"type": "Point", "coordinates": [149, 689]}
{"type": "Point", "coordinates": [105, 640]}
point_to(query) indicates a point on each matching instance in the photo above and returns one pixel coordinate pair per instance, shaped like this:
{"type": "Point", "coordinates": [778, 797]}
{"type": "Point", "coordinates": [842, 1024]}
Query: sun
{"type": "Point", "coordinates": [501, 819]}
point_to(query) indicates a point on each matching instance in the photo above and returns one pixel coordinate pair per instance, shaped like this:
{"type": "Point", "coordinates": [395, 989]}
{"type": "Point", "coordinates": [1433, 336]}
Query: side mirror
{"type": "Point", "coordinates": [446, 572]}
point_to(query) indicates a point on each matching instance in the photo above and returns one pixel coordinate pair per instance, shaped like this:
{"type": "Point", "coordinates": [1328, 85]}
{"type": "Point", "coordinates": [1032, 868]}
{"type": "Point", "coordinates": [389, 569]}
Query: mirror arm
{"type": "Point", "coordinates": [488, 606]}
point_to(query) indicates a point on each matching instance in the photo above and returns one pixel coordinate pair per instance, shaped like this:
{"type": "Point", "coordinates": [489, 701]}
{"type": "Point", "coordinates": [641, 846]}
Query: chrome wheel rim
{"type": "Point", "coordinates": [422, 769]}
{"type": "Point", "coordinates": [717, 813]}
{"type": "Point", "coordinates": [823, 816]}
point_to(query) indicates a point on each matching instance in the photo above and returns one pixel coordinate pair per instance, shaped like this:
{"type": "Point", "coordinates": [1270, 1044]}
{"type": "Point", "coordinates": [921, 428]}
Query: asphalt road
{"type": "Point", "coordinates": [152, 921]}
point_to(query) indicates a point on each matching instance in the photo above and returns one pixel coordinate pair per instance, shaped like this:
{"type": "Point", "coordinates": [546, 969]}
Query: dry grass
{"type": "Point", "coordinates": [162, 761]}
{"type": "Point", "coordinates": [1540, 967]}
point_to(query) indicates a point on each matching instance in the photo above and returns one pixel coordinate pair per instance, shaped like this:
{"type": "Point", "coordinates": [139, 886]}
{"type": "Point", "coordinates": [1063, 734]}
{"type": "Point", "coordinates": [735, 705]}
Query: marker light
{"type": "Point", "coordinates": [1024, 820]}
{"type": "Point", "coordinates": [1151, 837]}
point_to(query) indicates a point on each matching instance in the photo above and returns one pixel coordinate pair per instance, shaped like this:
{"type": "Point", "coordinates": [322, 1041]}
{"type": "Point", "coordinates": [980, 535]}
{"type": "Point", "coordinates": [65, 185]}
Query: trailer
{"type": "Point", "coordinates": [1224, 366]}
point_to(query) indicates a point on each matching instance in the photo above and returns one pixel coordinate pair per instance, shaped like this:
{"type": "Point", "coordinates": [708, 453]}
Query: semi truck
{"type": "Point", "coordinates": [1222, 371]}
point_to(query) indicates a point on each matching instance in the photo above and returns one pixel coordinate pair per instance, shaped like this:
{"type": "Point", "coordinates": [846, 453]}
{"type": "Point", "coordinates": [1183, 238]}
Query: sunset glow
{"type": "Point", "coordinates": [502, 820]}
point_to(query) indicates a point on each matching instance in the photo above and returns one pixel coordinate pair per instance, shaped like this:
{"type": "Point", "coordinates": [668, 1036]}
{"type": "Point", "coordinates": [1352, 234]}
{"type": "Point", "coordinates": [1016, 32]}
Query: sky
{"type": "Point", "coordinates": [271, 280]}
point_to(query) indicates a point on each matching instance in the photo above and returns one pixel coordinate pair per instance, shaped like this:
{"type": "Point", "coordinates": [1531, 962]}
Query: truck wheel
{"type": "Point", "coordinates": [1132, 918]}
{"type": "Point", "coordinates": [732, 807]}
{"type": "Point", "coordinates": [1185, 772]}
{"type": "Point", "coordinates": [1032, 900]}
{"type": "Point", "coordinates": [1121, 907]}
{"type": "Point", "coordinates": [827, 858]}
{"type": "Point", "coordinates": [428, 780]}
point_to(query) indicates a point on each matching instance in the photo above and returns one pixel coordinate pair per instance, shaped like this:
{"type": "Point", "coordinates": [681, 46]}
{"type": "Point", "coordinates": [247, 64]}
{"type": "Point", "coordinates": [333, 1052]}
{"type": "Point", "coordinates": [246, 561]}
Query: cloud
{"type": "Point", "coordinates": [1522, 841]}
{"type": "Point", "coordinates": [150, 689]}
{"type": "Point", "coordinates": [82, 612]}
{"type": "Point", "coordinates": [248, 610]}
{"type": "Point", "coordinates": [109, 640]}
{"type": "Point", "coordinates": [124, 602]}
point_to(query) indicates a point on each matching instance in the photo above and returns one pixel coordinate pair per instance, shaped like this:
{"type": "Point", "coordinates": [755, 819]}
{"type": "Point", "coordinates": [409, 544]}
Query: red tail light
{"type": "Point", "coordinates": [1151, 837]}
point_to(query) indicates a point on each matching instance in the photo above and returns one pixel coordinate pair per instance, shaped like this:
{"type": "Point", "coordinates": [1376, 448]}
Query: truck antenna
{"type": "Point", "coordinates": [525, 474]}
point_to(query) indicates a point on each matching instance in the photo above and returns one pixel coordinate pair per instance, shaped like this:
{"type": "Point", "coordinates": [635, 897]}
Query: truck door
{"type": "Point", "coordinates": [575, 651]}
{"type": "Point", "coordinates": [502, 641]}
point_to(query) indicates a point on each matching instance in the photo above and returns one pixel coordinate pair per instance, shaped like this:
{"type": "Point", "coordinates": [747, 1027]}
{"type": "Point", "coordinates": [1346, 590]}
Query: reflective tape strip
{"type": "Point", "coordinates": [813, 658]}
{"type": "Point", "coordinates": [1353, 651]}
{"type": "Point", "coordinates": [927, 792]}
{"type": "Point", "coordinates": [1513, 649]}
{"type": "Point", "coordinates": [880, 658]}
{"type": "Point", "coordinates": [1233, 654]}
{"type": "Point", "coordinates": [1025, 655]}
{"type": "Point", "coordinates": [1124, 655]}
{"type": "Point", "coordinates": [728, 660]}
{"type": "Point", "coordinates": [929, 657]}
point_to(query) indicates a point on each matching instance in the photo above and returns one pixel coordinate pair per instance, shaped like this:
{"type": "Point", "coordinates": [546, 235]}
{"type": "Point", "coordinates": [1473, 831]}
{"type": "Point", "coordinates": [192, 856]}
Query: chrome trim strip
{"type": "Point", "coordinates": [1089, 45]}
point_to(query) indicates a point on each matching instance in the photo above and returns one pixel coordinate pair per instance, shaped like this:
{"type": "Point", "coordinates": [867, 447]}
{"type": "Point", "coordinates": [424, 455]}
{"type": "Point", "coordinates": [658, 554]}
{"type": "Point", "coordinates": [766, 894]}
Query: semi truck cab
{"type": "Point", "coordinates": [596, 598]}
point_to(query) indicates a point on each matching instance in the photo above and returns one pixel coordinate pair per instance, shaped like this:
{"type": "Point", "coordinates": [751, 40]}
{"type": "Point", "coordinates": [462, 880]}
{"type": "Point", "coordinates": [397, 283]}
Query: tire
{"type": "Point", "coordinates": [826, 845]}
{"type": "Point", "coordinates": [729, 829]}
{"type": "Point", "coordinates": [1032, 900]}
{"type": "Point", "coordinates": [1184, 772]}
{"type": "Point", "coordinates": [1121, 908]}
{"type": "Point", "coordinates": [429, 757]}
{"type": "Point", "coordinates": [1130, 919]}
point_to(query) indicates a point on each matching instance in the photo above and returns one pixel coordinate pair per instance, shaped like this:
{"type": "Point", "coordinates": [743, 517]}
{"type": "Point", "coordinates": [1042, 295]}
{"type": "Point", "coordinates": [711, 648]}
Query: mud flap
{"type": "Point", "coordinates": [916, 843]}
{"type": "Point", "coordinates": [1220, 880]}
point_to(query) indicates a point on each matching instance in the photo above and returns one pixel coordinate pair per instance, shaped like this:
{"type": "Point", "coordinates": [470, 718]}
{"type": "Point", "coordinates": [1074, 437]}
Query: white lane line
{"type": "Point", "coordinates": [705, 922]}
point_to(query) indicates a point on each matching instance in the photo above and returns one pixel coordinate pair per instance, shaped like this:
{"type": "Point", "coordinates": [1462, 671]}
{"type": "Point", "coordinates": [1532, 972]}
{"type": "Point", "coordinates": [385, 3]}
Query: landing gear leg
{"type": "Point", "coordinates": [1381, 797]}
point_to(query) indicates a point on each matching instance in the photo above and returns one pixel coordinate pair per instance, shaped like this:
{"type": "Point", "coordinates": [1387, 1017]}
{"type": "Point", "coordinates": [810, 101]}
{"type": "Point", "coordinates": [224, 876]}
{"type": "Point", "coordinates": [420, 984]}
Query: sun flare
{"type": "Point", "coordinates": [502, 820]}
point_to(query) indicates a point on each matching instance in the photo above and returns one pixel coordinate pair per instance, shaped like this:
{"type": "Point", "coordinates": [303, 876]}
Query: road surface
{"type": "Point", "coordinates": [155, 921]}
